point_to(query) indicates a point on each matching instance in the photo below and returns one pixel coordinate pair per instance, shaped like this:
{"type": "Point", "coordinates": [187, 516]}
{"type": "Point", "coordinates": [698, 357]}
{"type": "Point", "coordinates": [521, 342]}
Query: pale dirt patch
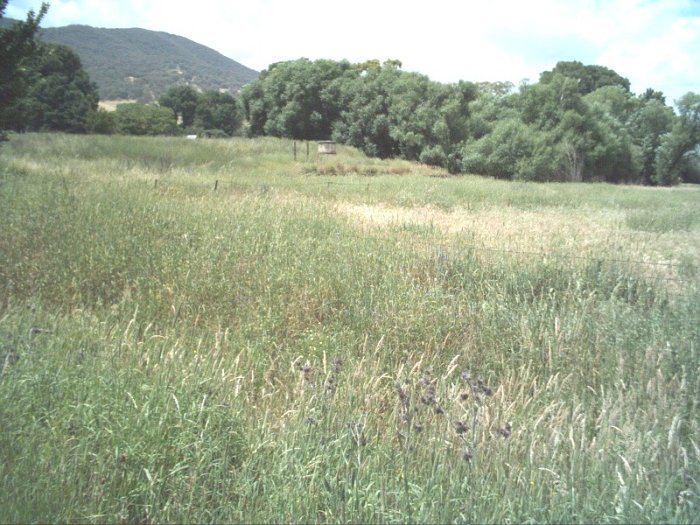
{"type": "Point", "coordinates": [111, 105]}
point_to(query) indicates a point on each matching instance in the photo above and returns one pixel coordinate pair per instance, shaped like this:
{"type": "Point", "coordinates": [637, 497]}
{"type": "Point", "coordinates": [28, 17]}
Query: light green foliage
{"type": "Point", "coordinates": [512, 150]}
{"type": "Point", "coordinates": [172, 352]}
{"type": "Point", "coordinates": [554, 134]}
{"type": "Point", "coordinates": [614, 101]}
{"type": "Point", "coordinates": [144, 119]}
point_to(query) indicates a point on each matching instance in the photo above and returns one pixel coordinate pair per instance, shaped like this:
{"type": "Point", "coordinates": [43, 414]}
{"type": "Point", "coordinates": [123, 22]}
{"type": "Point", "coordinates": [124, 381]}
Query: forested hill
{"type": "Point", "coordinates": [141, 64]}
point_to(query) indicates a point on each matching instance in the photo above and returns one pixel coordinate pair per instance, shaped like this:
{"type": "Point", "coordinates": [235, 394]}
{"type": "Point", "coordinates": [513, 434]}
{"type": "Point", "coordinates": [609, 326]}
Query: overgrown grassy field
{"type": "Point", "coordinates": [212, 331]}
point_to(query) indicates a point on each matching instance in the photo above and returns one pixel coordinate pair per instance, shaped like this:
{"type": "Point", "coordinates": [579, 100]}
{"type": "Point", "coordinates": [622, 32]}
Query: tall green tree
{"type": "Point", "coordinates": [364, 121]}
{"type": "Point", "coordinates": [183, 101]}
{"type": "Point", "coordinates": [218, 111]}
{"type": "Point", "coordinates": [388, 112]}
{"type": "Point", "coordinates": [678, 148]}
{"type": "Point", "coordinates": [59, 95]}
{"type": "Point", "coordinates": [294, 99]}
{"type": "Point", "coordinates": [17, 44]}
{"type": "Point", "coordinates": [648, 124]}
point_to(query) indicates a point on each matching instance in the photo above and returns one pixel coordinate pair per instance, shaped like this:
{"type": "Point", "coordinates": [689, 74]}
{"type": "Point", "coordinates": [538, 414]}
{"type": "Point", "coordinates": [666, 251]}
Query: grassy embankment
{"type": "Point", "coordinates": [338, 340]}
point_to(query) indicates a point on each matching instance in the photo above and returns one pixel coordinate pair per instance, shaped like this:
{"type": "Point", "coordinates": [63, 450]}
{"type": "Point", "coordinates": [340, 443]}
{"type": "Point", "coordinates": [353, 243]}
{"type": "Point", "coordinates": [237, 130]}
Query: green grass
{"type": "Point", "coordinates": [255, 353]}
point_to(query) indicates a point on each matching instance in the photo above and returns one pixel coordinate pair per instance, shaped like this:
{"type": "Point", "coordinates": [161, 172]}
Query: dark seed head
{"type": "Point", "coordinates": [467, 455]}
{"type": "Point", "coordinates": [505, 430]}
{"type": "Point", "coordinates": [460, 427]}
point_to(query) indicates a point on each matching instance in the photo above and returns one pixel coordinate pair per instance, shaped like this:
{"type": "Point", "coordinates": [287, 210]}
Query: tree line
{"type": "Point", "coordinates": [577, 123]}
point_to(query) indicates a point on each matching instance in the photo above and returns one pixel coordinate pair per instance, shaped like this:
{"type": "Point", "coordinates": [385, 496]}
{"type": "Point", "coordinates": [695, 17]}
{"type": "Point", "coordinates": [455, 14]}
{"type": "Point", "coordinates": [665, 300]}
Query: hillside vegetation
{"type": "Point", "coordinates": [213, 331]}
{"type": "Point", "coordinates": [138, 64]}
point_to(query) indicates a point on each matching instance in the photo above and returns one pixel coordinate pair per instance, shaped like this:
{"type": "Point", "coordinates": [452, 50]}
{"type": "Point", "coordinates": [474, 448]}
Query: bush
{"type": "Point", "coordinates": [100, 122]}
{"type": "Point", "coordinates": [214, 133]}
{"type": "Point", "coordinates": [434, 155]}
{"type": "Point", "coordinates": [143, 119]}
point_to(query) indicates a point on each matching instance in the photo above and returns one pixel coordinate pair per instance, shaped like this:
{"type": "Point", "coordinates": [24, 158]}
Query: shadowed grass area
{"type": "Point", "coordinates": [209, 331]}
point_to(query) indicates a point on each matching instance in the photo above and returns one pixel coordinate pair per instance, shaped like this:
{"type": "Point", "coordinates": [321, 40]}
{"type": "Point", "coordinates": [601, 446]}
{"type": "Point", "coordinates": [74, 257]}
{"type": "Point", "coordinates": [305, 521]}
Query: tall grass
{"type": "Point", "coordinates": [175, 353]}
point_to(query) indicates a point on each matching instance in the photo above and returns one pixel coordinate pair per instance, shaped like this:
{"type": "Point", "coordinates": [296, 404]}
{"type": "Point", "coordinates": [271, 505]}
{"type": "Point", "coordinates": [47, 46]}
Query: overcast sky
{"type": "Point", "coordinates": [654, 43]}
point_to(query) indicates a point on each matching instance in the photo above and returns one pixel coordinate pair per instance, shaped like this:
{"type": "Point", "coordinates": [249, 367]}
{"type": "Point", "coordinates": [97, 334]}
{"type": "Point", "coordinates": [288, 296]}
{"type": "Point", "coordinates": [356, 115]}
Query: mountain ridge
{"type": "Point", "coordinates": [141, 64]}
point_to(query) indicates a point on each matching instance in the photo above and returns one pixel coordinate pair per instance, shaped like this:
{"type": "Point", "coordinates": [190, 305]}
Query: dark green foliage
{"type": "Point", "coordinates": [388, 112]}
{"type": "Point", "coordinates": [650, 94]}
{"type": "Point", "coordinates": [376, 107]}
{"type": "Point", "coordinates": [678, 148]}
{"type": "Point", "coordinates": [101, 122]}
{"type": "Point", "coordinates": [690, 168]}
{"type": "Point", "coordinates": [364, 121]}
{"type": "Point", "coordinates": [217, 111]}
{"type": "Point", "coordinates": [183, 101]}
{"type": "Point", "coordinates": [579, 123]}
{"type": "Point", "coordinates": [17, 44]}
{"type": "Point", "coordinates": [588, 78]}
{"type": "Point", "coordinates": [553, 133]}
{"type": "Point", "coordinates": [296, 99]}
{"type": "Point", "coordinates": [648, 125]}
{"type": "Point", "coordinates": [59, 94]}
{"type": "Point", "coordinates": [143, 119]}
{"type": "Point", "coordinates": [213, 113]}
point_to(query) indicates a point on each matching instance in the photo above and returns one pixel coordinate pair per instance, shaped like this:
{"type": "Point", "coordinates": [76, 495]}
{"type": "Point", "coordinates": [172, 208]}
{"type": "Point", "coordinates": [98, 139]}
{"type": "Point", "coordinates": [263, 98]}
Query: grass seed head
{"type": "Point", "coordinates": [460, 427]}
{"type": "Point", "coordinates": [506, 430]}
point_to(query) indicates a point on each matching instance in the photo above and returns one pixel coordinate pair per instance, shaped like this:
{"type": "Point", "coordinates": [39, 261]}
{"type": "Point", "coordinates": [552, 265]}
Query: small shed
{"type": "Point", "coordinates": [326, 147]}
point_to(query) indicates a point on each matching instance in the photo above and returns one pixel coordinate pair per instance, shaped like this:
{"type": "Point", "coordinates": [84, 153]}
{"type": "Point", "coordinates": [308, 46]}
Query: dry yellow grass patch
{"type": "Point", "coordinates": [575, 233]}
{"type": "Point", "coordinates": [502, 228]}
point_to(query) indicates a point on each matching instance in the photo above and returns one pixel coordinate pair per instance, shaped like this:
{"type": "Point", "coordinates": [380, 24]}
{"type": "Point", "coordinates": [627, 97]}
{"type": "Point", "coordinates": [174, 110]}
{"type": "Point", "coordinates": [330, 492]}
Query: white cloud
{"type": "Point", "coordinates": [655, 43]}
